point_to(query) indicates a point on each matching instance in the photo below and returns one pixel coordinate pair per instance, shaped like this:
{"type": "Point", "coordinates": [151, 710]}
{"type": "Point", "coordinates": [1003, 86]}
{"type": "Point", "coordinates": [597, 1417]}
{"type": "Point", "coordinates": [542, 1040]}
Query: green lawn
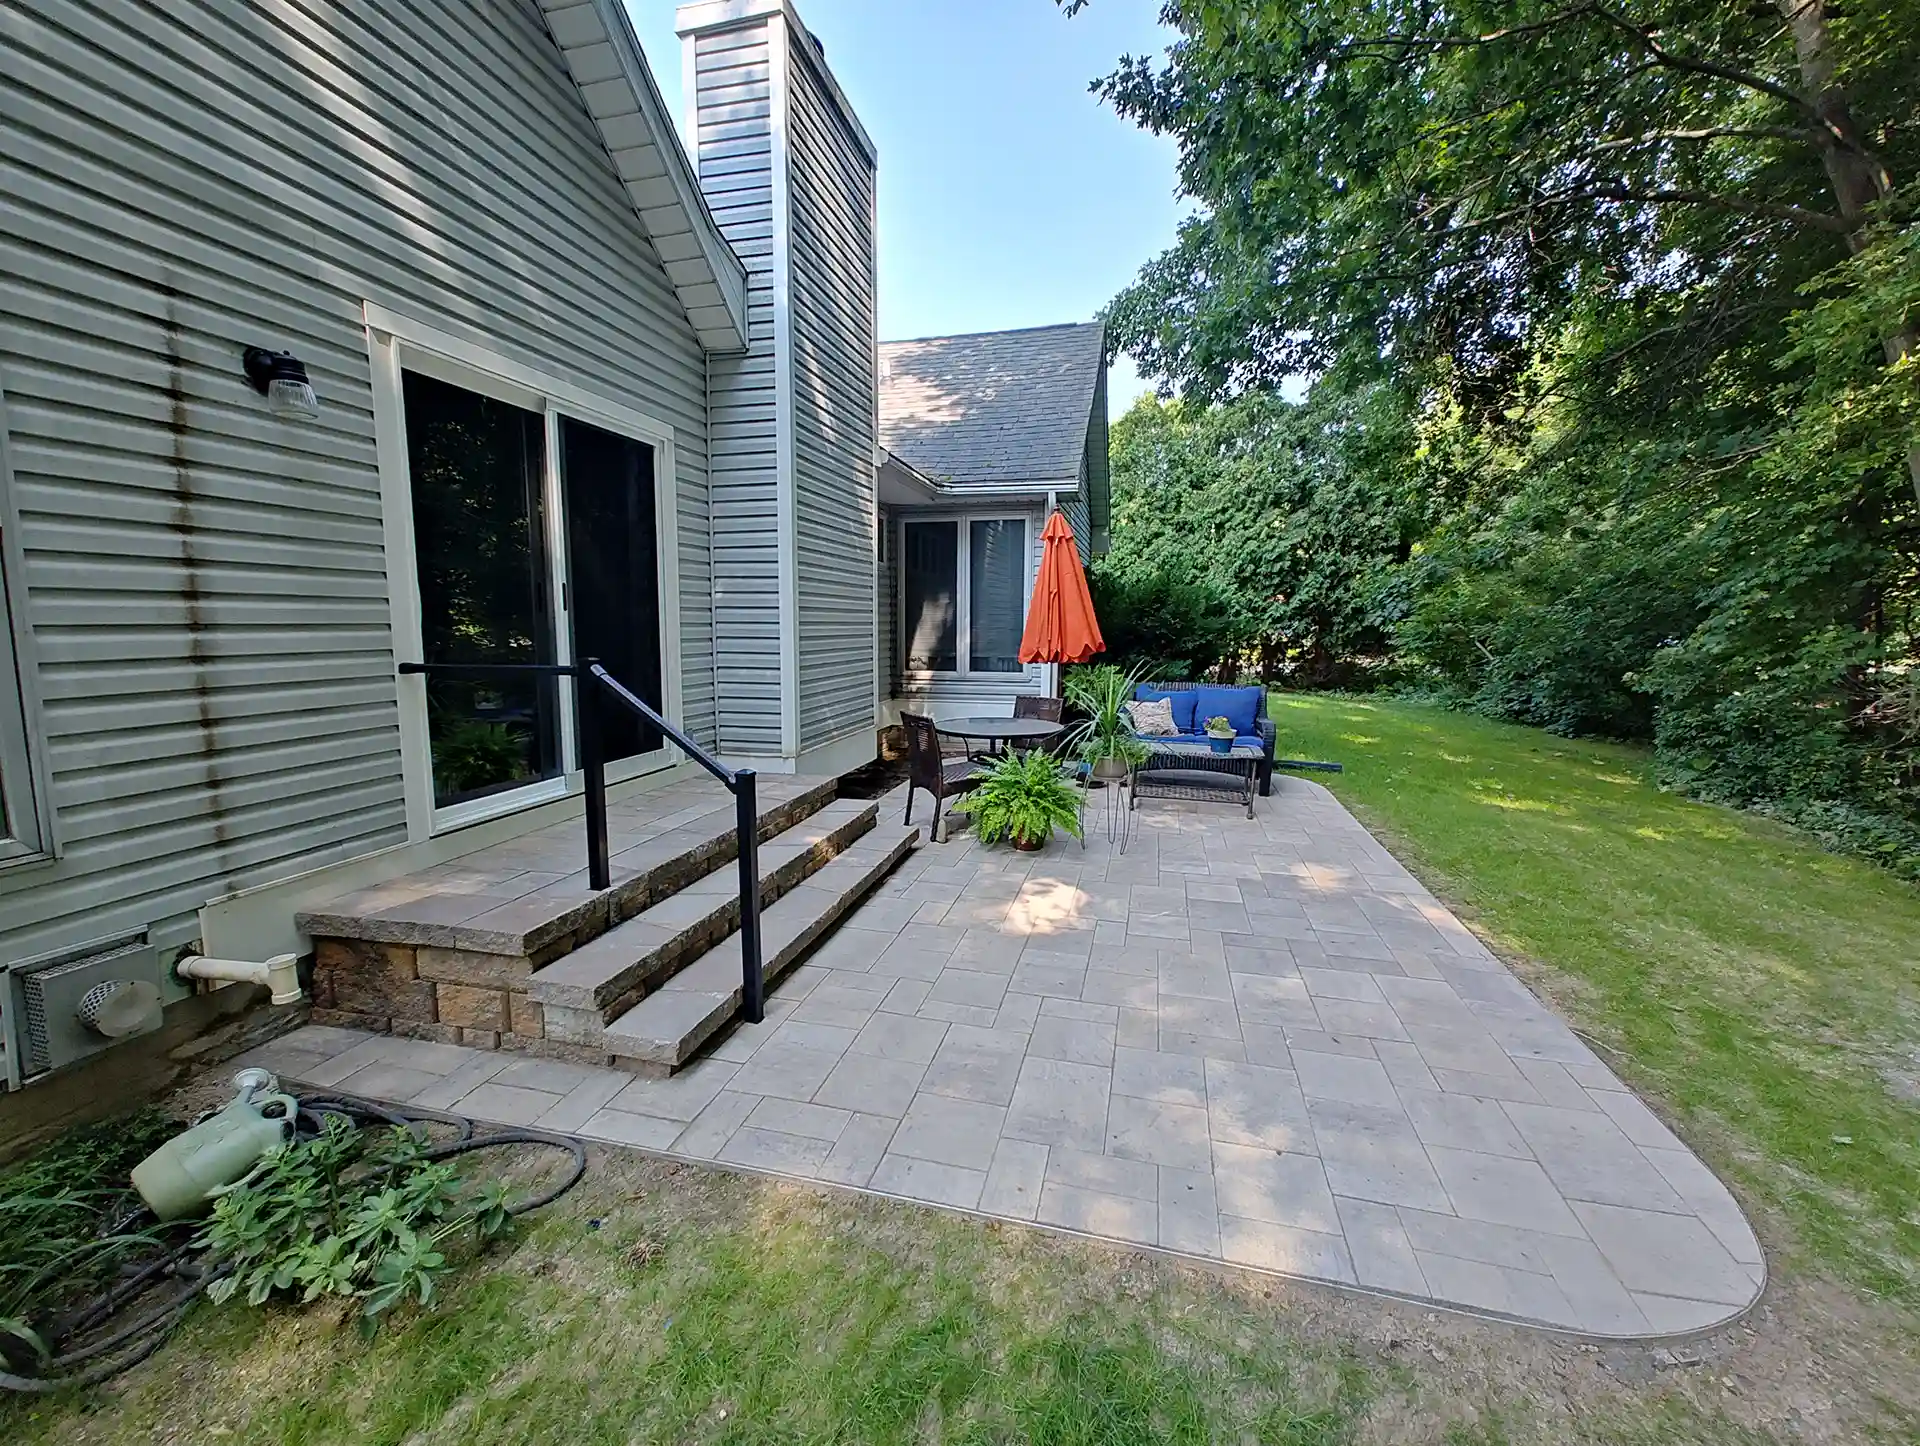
{"type": "Point", "coordinates": [665, 1304]}
{"type": "Point", "coordinates": [1767, 993]}
{"type": "Point", "coordinates": [1761, 993]}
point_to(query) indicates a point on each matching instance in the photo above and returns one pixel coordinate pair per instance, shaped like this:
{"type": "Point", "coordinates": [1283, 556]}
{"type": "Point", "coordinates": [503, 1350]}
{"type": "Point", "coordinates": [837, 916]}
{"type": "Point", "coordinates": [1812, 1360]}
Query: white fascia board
{"type": "Point", "coordinates": [571, 23]}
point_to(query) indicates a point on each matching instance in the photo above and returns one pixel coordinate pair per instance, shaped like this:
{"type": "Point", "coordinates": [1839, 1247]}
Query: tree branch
{"type": "Point", "coordinates": [1641, 36]}
{"type": "Point", "coordinates": [1704, 133]}
{"type": "Point", "coordinates": [1746, 78]}
{"type": "Point", "coordinates": [1799, 215]}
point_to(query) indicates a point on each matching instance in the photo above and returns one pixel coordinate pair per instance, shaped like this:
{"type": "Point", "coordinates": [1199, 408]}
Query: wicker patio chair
{"type": "Point", "coordinates": [942, 777]}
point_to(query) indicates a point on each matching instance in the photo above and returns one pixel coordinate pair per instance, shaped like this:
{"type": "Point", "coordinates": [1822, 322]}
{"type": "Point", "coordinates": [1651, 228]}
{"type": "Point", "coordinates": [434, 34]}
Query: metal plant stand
{"type": "Point", "coordinates": [1195, 772]}
{"type": "Point", "coordinates": [1116, 812]}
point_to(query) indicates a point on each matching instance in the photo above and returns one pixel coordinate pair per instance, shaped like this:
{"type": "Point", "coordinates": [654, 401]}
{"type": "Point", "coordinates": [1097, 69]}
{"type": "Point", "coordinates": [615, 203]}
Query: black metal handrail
{"type": "Point", "coordinates": [740, 782]}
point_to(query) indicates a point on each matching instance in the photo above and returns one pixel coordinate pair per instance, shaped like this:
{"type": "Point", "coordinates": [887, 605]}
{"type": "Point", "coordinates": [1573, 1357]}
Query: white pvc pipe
{"type": "Point", "coordinates": [281, 973]}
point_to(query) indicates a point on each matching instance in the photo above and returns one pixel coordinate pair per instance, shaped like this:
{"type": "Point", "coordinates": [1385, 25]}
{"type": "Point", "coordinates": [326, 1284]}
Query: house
{"type": "Point", "coordinates": [340, 339]}
{"type": "Point", "coordinates": [983, 436]}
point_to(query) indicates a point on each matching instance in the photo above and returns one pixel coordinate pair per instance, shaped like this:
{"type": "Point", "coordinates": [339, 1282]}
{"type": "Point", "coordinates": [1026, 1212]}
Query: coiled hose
{"type": "Point", "coordinates": [129, 1343]}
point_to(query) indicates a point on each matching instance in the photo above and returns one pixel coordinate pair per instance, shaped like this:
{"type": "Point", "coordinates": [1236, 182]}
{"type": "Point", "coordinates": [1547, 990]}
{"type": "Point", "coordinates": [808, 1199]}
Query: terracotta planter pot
{"type": "Point", "coordinates": [1032, 846]}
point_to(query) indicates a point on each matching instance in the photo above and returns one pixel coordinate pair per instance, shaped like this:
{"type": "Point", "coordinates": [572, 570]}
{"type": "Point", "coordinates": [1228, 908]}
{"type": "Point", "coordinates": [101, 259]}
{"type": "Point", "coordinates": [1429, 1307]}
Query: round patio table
{"type": "Point", "coordinates": [1000, 730]}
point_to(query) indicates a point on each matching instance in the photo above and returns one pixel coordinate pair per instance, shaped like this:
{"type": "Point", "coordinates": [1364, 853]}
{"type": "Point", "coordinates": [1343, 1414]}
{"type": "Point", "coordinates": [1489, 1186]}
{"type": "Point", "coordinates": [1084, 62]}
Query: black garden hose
{"type": "Point", "coordinates": [132, 1342]}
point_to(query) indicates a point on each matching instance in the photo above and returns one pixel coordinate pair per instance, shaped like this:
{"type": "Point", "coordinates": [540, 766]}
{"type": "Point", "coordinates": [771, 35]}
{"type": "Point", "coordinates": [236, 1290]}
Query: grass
{"type": "Point", "coordinates": [1760, 992]}
{"type": "Point", "coordinates": [666, 1304]}
{"type": "Point", "coordinates": [1766, 992]}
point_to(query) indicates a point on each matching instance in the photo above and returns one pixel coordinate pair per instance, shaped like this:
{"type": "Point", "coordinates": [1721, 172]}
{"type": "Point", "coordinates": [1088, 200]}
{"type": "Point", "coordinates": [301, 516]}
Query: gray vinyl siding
{"type": "Point", "coordinates": [206, 585]}
{"type": "Point", "coordinates": [735, 155]}
{"type": "Point", "coordinates": [834, 406]}
{"type": "Point", "coordinates": [1075, 508]}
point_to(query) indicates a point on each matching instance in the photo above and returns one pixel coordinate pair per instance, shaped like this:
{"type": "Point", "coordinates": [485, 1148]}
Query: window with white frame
{"type": "Point", "coordinates": [964, 594]}
{"type": "Point", "coordinates": [21, 834]}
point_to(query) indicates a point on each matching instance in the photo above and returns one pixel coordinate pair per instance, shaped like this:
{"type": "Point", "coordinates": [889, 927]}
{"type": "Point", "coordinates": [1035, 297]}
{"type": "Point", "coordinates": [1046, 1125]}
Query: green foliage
{"type": "Point", "coordinates": [1248, 537]}
{"type": "Point", "coordinates": [472, 755]}
{"type": "Point", "coordinates": [1099, 692]}
{"type": "Point", "coordinates": [62, 1220]}
{"type": "Point", "coordinates": [62, 1210]}
{"type": "Point", "coordinates": [348, 1212]}
{"type": "Point", "coordinates": [1842, 828]}
{"type": "Point", "coordinates": [1159, 624]}
{"type": "Point", "coordinates": [1023, 798]}
{"type": "Point", "coordinates": [1386, 182]}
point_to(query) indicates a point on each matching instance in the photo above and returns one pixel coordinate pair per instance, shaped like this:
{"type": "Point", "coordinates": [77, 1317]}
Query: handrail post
{"type": "Point", "coordinates": [593, 766]}
{"type": "Point", "coordinates": [747, 826]}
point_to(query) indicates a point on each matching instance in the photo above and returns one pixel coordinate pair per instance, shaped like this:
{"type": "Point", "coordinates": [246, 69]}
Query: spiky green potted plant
{"type": "Point", "coordinates": [1023, 798]}
{"type": "Point", "coordinates": [1104, 737]}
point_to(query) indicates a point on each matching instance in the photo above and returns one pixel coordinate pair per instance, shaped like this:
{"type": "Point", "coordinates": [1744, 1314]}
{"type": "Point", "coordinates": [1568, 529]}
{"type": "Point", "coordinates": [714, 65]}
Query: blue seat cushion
{"type": "Point", "coordinates": [1245, 740]}
{"type": "Point", "coordinates": [1183, 715]}
{"type": "Point", "coordinates": [1239, 706]}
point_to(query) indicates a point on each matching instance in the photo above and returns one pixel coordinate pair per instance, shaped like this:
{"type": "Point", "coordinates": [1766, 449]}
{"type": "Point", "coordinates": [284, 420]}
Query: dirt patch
{"type": "Point", "coordinates": [875, 779]}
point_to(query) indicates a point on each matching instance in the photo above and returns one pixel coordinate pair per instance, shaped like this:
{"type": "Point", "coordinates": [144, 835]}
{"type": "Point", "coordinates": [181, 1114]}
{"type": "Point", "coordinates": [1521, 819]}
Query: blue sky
{"type": "Point", "coordinates": [1009, 196]}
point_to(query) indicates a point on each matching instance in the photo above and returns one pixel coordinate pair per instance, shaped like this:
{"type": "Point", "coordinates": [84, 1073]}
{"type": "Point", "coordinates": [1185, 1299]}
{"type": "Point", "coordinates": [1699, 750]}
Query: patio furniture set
{"type": "Point", "coordinates": [1187, 763]}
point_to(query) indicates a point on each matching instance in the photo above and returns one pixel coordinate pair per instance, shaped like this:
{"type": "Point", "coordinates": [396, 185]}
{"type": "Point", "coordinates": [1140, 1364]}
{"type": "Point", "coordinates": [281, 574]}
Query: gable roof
{"type": "Point", "coordinates": [995, 406]}
{"type": "Point", "coordinates": [604, 57]}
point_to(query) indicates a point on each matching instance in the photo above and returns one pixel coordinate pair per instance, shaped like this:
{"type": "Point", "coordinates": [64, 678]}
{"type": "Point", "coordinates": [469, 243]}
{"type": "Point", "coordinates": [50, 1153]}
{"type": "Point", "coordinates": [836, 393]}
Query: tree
{"type": "Point", "coordinates": [1257, 530]}
{"type": "Point", "coordinates": [1400, 182]}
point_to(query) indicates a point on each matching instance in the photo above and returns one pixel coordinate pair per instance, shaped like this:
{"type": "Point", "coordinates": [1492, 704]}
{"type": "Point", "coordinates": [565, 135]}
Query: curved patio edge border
{"type": "Point", "coordinates": [1464, 1311]}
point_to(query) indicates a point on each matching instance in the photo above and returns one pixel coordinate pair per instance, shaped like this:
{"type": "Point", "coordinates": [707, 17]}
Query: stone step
{"type": "Point", "coordinates": [538, 924]}
{"type": "Point", "coordinates": [662, 1031]}
{"type": "Point", "coordinates": [582, 990]}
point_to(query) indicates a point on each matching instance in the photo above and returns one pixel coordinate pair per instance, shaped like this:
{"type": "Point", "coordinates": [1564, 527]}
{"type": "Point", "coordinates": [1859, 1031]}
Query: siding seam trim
{"type": "Point", "coordinates": [780, 61]}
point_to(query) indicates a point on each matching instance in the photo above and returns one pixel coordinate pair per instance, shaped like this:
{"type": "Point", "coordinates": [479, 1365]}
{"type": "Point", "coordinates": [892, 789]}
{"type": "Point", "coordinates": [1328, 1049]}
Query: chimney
{"type": "Point", "coordinates": [789, 173]}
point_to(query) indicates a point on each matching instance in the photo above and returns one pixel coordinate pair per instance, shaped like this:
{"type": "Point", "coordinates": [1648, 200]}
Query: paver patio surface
{"type": "Point", "coordinates": [1256, 1041]}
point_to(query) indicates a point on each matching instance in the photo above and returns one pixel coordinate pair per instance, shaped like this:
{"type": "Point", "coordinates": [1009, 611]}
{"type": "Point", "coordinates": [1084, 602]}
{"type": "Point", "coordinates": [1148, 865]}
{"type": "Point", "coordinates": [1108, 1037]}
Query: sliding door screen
{"type": "Point", "coordinates": [479, 532]}
{"type": "Point", "coordinates": [613, 576]}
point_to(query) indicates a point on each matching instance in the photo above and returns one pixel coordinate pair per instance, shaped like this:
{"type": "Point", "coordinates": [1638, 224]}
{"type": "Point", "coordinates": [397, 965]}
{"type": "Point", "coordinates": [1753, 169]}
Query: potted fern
{"type": "Point", "coordinates": [1024, 797]}
{"type": "Point", "coordinates": [1105, 738]}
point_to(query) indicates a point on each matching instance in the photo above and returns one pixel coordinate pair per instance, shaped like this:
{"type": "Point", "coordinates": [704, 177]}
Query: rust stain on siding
{"type": "Point", "coordinates": [191, 587]}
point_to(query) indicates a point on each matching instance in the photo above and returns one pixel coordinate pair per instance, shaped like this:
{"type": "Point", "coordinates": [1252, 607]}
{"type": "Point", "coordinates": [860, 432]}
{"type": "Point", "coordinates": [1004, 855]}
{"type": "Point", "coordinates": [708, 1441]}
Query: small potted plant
{"type": "Point", "coordinates": [1023, 798]}
{"type": "Point", "coordinates": [1105, 738]}
{"type": "Point", "coordinates": [1220, 734]}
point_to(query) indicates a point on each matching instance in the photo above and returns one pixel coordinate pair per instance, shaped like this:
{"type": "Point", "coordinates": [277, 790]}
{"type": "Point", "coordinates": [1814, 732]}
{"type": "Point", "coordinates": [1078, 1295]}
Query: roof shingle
{"type": "Point", "coordinates": [997, 406]}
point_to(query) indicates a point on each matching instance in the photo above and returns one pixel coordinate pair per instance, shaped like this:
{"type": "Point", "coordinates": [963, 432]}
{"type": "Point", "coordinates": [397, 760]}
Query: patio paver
{"type": "Point", "coordinates": [1257, 1041]}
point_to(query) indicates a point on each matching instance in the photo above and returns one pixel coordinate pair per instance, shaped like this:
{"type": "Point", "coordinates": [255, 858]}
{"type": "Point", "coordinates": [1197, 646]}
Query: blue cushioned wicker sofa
{"type": "Point", "coordinates": [1245, 708]}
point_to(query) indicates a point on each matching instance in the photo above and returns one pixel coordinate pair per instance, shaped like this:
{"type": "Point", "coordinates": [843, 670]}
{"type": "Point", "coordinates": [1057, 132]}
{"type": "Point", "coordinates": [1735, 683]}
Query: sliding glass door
{"type": "Point", "coordinates": [536, 539]}
{"type": "Point", "coordinates": [478, 469]}
{"type": "Point", "coordinates": [613, 573]}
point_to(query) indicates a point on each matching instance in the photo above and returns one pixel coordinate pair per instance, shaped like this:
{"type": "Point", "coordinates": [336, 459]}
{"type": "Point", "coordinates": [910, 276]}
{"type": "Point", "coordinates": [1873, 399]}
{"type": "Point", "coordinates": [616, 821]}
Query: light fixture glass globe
{"type": "Point", "coordinates": [292, 401]}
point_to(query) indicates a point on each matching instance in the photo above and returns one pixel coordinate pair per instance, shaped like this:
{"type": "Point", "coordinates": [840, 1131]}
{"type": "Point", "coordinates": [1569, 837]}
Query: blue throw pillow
{"type": "Point", "coordinates": [1239, 706]}
{"type": "Point", "coordinates": [1183, 714]}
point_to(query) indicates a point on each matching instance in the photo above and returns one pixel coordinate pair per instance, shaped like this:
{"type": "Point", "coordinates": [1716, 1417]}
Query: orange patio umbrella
{"type": "Point", "coordinates": [1061, 627]}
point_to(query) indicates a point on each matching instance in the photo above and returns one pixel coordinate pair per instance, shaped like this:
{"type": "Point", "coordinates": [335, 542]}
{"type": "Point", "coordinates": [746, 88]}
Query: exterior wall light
{"type": "Point", "coordinates": [281, 378]}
